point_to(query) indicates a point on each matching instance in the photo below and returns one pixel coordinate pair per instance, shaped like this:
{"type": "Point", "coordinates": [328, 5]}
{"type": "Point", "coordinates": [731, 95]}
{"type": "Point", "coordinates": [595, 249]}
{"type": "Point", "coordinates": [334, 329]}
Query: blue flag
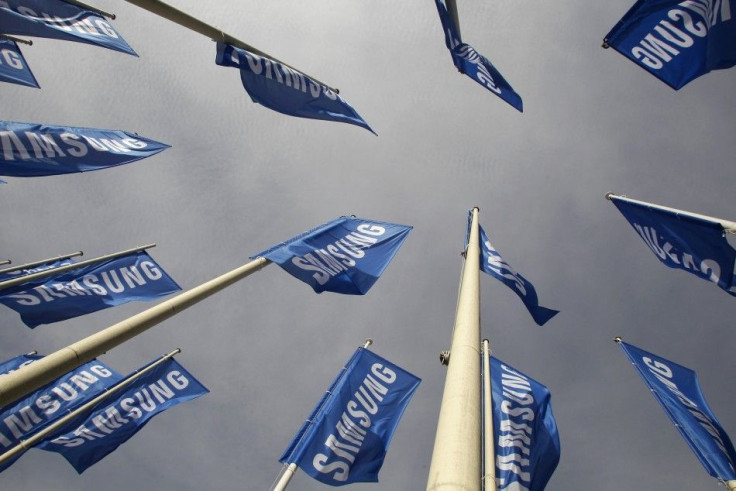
{"type": "Point", "coordinates": [24, 418]}
{"type": "Point", "coordinates": [13, 67]}
{"type": "Point", "coordinates": [112, 423]}
{"type": "Point", "coordinates": [676, 389]}
{"type": "Point", "coordinates": [286, 90]}
{"type": "Point", "coordinates": [10, 275]}
{"type": "Point", "coordinates": [346, 255]}
{"type": "Point", "coordinates": [473, 64]}
{"type": "Point", "coordinates": [493, 264]}
{"type": "Point", "coordinates": [675, 40]}
{"type": "Point", "coordinates": [57, 19]}
{"type": "Point", "coordinates": [30, 150]}
{"type": "Point", "coordinates": [134, 277]}
{"type": "Point", "coordinates": [346, 437]}
{"type": "Point", "coordinates": [526, 441]}
{"type": "Point", "coordinates": [683, 241]}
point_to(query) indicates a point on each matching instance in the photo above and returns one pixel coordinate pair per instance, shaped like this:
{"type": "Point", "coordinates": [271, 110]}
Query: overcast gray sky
{"type": "Point", "coordinates": [240, 178]}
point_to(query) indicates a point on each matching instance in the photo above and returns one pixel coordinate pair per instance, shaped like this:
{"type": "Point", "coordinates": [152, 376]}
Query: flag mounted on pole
{"type": "Point", "coordinates": [13, 67]}
{"type": "Point", "coordinates": [677, 390]}
{"type": "Point", "coordinates": [683, 240]}
{"type": "Point", "coordinates": [346, 437]}
{"type": "Point", "coordinates": [493, 264]}
{"type": "Point", "coordinates": [57, 19]}
{"type": "Point", "coordinates": [31, 150]}
{"type": "Point", "coordinates": [93, 436]}
{"type": "Point", "coordinates": [133, 277]}
{"type": "Point", "coordinates": [677, 41]}
{"type": "Point", "coordinates": [37, 410]}
{"type": "Point", "coordinates": [286, 90]}
{"type": "Point", "coordinates": [527, 445]}
{"type": "Point", "coordinates": [346, 255]}
{"type": "Point", "coordinates": [470, 62]}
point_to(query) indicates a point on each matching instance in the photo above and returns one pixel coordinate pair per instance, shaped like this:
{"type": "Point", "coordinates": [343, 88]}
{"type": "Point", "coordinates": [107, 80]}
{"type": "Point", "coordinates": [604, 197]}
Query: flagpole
{"type": "Point", "coordinates": [728, 225]}
{"type": "Point", "coordinates": [31, 377]}
{"type": "Point", "coordinates": [4, 262]}
{"type": "Point", "coordinates": [489, 457]}
{"type": "Point", "coordinates": [185, 20]}
{"type": "Point", "coordinates": [456, 456]}
{"type": "Point", "coordinates": [42, 261]}
{"type": "Point", "coordinates": [288, 471]}
{"type": "Point", "coordinates": [53, 271]}
{"type": "Point", "coordinates": [24, 445]}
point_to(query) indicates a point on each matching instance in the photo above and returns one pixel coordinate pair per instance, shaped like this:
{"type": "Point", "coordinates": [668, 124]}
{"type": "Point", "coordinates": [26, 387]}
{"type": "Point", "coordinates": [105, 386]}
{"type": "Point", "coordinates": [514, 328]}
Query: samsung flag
{"type": "Point", "coordinates": [676, 388]}
{"type": "Point", "coordinates": [346, 437]}
{"type": "Point", "coordinates": [34, 412]}
{"type": "Point", "coordinates": [675, 40]}
{"type": "Point", "coordinates": [683, 241]}
{"type": "Point", "coordinates": [30, 150]}
{"type": "Point", "coordinates": [13, 67]}
{"type": "Point", "coordinates": [112, 423]}
{"type": "Point", "coordinates": [526, 442]}
{"type": "Point", "coordinates": [346, 255]}
{"type": "Point", "coordinates": [57, 19]}
{"type": "Point", "coordinates": [472, 63]}
{"type": "Point", "coordinates": [134, 277]}
{"type": "Point", "coordinates": [11, 275]}
{"type": "Point", "coordinates": [493, 264]}
{"type": "Point", "coordinates": [286, 90]}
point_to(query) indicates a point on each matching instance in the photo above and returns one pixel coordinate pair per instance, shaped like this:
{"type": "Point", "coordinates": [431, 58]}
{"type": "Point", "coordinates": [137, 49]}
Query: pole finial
{"type": "Point", "coordinates": [367, 342]}
{"type": "Point", "coordinates": [609, 196]}
{"type": "Point", "coordinates": [618, 339]}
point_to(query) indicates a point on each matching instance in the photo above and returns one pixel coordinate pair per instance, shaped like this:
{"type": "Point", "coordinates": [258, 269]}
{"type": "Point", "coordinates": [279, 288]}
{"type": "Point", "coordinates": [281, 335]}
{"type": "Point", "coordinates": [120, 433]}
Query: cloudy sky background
{"type": "Point", "coordinates": [240, 178]}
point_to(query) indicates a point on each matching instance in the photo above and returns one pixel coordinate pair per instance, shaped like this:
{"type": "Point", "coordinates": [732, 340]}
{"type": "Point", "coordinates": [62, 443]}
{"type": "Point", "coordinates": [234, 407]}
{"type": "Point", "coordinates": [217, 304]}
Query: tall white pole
{"type": "Point", "coordinates": [31, 377]}
{"type": "Point", "coordinates": [456, 463]}
{"type": "Point", "coordinates": [727, 225]}
{"type": "Point", "coordinates": [489, 457]}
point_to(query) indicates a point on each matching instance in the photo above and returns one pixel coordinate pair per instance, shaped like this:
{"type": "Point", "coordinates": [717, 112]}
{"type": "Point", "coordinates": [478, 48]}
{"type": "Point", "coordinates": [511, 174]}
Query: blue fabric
{"type": "Point", "coordinates": [683, 242]}
{"type": "Point", "coordinates": [13, 67]}
{"type": "Point", "coordinates": [10, 275]}
{"type": "Point", "coordinates": [473, 64]}
{"type": "Point", "coordinates": [493, 264]}
{"type": "Point", "coordinates": [57, 19]}
{"type": "Point", "coordinates": [134, 277]}
{"type": "Point", "coordinates": [526, 441]}
{"type": "Point", "coordinates": [31, 150]}
{"type": "Point", "coordinates": [677, 41]}
{"type": "Point", "coordinates": [34, 412]}
{"type": "Point", "coordinates": [677, 390]}
{"type": "Point", "coordinates": [89, 439]}
{"type": "Point", "coordinates": [287, 91]}
{"type": "Point", "coordinates": [346, 255]}
{"type": "Point", "coordinates": [346, 438]}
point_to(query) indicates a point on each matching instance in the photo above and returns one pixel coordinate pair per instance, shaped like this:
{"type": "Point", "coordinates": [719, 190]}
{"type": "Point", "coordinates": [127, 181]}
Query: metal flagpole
{"type": "Point", "coordinates": [728, 226]}
{"type": "Point", "coordinates": [24, 445]}
{"type": "Point", "coordinates": [288, 470]}
{"type": "Point", "coordinates": [489, 457]}
{"type": "Point", "coordinates": [68, 267]}
{"type": "Point", "coordinates": [177, 16]}
{"type": "Point", "coordinates": [31, 377]}
{"type": "Point", "coordinates": [42, 261]}
{"type": "Point", "coordinates": [6, 261]}
{"type": "Point", "coordinates": [456, 456]}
